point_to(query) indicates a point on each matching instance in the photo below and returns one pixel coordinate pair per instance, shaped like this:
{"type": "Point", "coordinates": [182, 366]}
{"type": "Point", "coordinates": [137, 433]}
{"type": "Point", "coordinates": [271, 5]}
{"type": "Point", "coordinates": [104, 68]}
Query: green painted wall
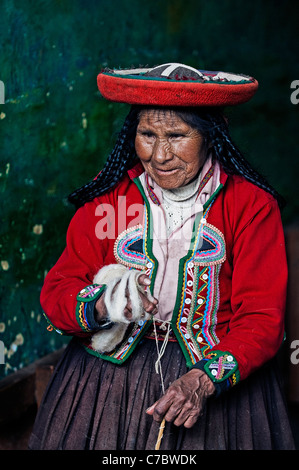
{"type": "Point", "coordinates": [55, 131]}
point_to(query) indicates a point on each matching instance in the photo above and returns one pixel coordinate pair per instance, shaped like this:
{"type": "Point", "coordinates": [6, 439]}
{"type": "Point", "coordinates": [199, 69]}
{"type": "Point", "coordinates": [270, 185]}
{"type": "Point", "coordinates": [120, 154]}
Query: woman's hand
{"type": "Point", "coordinates": [148, 306]}
{"type": "Point", "coordinates": [184, 400]}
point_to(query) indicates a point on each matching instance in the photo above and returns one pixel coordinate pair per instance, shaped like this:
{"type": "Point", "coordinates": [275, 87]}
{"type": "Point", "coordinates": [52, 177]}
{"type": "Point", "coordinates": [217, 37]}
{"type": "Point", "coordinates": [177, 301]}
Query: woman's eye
{"type": "Point", "coordinates": [176, 135]}
{"type": "Point", "coordinates": [147, 134]}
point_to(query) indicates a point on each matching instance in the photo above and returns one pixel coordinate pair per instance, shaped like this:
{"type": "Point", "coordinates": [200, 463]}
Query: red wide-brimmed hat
{"type": "Point", "coordinates": [175, 85]}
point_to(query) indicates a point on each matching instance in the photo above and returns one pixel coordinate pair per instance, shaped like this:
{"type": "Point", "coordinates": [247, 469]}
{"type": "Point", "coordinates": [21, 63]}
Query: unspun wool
{"type": "Point", "coordinates": [121, 285]}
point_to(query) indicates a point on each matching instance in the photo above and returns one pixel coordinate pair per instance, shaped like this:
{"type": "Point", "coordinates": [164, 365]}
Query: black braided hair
{"type": "Point", "coordinates": [210, 122]}
{"type": "Point", "coordinates": [121, 159]}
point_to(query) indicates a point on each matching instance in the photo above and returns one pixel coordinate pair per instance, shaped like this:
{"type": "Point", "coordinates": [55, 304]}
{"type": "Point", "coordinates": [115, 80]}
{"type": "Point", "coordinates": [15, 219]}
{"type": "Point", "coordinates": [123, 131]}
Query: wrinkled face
{"type": "Point", "coordinates": [171, 151]}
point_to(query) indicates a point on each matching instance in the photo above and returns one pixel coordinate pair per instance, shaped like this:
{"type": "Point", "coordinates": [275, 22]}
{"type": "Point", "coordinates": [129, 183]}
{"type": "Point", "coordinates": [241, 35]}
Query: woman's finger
{"type": "Point", "coordinates": [144, 280]}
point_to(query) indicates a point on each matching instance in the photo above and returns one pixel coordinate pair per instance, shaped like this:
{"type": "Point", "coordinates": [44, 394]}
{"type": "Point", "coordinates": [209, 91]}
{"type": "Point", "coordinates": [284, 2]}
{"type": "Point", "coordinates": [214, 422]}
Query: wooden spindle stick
{"type": "Point", "coordinates": [159, 370]}
{"type": "Point", "coordinates": [160, 435]}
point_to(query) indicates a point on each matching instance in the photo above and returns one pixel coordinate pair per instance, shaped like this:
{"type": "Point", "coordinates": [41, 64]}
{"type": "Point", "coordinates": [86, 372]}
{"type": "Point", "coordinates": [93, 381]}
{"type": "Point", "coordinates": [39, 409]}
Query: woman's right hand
{"type": "Point", "coordinates": [150, 307]}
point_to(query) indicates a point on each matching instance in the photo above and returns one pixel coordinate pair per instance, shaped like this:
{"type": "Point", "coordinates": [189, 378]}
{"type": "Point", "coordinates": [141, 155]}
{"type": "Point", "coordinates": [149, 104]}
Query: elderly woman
{"type": "Point", "coordinates": [172, 283]}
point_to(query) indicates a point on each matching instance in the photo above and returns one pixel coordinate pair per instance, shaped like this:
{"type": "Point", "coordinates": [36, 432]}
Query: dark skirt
{"type": "Point", "coordinates": [94, 404]}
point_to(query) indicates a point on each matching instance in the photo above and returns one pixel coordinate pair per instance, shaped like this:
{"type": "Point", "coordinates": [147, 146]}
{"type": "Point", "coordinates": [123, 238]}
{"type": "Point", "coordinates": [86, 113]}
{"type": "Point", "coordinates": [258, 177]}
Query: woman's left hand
{"type": "Point", "coordinates": [184, 400]}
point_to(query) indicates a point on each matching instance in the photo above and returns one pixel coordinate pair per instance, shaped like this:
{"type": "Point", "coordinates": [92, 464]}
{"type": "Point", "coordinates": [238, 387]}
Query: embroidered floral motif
{"type": "Point", "coordinates": [212, 250]}
{"type": "Point", "coordinates": [197, 319]}
{"type": "Point", "coordinates": [86, 295]}
{"type": "Point", "coordinates": [128, 248]}
{"type": "Point", "coordinates": [131, 247]}
{"type": "Point", "coordinates": [222, 368]}
{"type": "Point", "coordinates": [220, 365]}
{"type": "Point", "coordinates": [89, 293]}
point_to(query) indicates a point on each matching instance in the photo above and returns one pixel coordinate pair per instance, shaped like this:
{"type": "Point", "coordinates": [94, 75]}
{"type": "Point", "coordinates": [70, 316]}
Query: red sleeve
{"type": "Point", "coordinates": [258, 291]}
{"type": "Point", "coordinates": [68, 287]}
{"type": "Point", "coordinates": [259, 282]}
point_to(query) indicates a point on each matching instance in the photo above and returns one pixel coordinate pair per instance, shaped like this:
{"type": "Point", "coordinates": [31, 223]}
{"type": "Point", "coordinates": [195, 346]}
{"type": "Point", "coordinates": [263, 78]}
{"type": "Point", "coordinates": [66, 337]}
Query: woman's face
{"type": "Point", "coordinates": [171, 151]}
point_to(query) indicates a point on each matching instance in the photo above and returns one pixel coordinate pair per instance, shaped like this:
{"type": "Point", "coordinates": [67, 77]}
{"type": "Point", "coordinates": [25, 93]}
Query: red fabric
{"type": "Point", "coordinates": [172, 93]}
{"type": "Point", "coordinates": [252, 279]}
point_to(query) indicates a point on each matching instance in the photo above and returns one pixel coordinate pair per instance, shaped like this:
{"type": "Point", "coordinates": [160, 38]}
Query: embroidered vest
{"type": "Point", "coordinates": [194, 317]}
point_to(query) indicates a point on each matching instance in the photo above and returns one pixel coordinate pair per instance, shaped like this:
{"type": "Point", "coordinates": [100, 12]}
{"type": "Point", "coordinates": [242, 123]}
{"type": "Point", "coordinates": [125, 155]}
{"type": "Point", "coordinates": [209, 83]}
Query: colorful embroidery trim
{"type": "Point", "coordinates": [132, 249]}
{"type": "Point", "coordinates": [128, 250]}
{"type": "Point", "coordinates": [205, 179]}
{"type": "Point", "coordinates": [154, 198]}
{"type": "Point", "coordinates": [90, 293]}
{"type": "Point", "coordinates": [129, 343]}
{"type": "Point", "coordinates": [212, 250]}
{"type": "Point", "coordinates": [81, 317]}
{"type": "Point", "coordinates": [123, 351]}
{"type": "Point", "coordinates": [211, 306]}
{"type": "Point", "coordinates": [195, 325]}
{"type": "Point", "coordinates": [220, 366]}
{"type": "Point", "coordinates": [197, 321]}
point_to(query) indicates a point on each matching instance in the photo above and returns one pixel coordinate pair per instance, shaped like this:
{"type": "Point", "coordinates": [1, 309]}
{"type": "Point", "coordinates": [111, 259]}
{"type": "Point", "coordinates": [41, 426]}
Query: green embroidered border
{"type": "Point", "coordinates": [212, 197]}
{"type": "Point", "coordinates": [80, 306]}
{"type": "Point", "coordinates": [129, 351]}
{"type": "Point", "coordinates": [91, 295]}
{"type": "Point", "coordinates": [217, 355]}
{"type": "Point", "coordinates": [182, 273]}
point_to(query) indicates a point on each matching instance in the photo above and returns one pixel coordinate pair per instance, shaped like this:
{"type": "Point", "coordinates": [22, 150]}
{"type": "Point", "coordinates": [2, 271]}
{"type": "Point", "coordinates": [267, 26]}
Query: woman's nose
{"type": "Point", "coordinates": [161, 151]}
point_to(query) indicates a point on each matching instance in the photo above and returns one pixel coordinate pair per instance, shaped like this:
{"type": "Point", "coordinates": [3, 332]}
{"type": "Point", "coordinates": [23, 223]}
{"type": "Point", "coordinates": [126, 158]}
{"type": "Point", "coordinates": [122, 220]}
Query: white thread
{"type": "Point", "coordinates": [160, 352]}
{"type": "Point", "coordinates": [158, 369]}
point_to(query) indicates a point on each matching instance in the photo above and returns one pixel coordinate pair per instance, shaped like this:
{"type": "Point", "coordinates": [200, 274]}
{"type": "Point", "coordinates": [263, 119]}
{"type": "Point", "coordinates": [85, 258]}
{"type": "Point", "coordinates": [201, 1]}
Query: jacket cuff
{"type": "Point", "coordinates": [222, 368]}
{"type": "Point", "coordinates": [85, 309]}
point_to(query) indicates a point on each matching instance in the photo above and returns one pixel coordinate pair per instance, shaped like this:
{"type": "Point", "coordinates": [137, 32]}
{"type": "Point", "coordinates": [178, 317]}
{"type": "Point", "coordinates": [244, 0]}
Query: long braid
{"type": "Point", "coordinates": [233, 161]}
{"type": "Point", "coordinates": [121, 159]}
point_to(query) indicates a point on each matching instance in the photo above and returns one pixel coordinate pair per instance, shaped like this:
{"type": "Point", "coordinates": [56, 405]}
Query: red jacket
{"type": "Point", "coordinates": [251, 282]}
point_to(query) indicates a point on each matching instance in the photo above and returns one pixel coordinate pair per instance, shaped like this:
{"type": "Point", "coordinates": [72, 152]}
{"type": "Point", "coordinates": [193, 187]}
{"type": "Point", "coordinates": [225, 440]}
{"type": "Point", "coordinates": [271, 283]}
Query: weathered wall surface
{"type": "Point", "coordinates": [55, 131]}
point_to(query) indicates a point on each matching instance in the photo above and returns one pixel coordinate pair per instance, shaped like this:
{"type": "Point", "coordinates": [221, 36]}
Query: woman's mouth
{"type": "Point", "coordinates": [165, 172]}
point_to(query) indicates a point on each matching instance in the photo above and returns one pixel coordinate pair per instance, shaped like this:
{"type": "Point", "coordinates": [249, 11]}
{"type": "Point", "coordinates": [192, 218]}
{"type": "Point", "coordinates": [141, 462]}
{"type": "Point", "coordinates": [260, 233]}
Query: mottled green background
{"type": "Point", "coordinates": [55, 130]}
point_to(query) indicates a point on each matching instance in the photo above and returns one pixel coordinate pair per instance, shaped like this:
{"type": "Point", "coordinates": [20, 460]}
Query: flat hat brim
{"type": "Point", "coordinates": [134, 87]}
